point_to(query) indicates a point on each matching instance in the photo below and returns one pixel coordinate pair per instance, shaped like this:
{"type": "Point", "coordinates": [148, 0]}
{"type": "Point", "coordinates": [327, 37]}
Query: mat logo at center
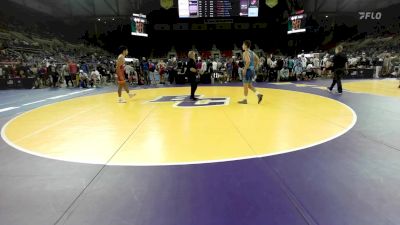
{"type": "Point", "coordinates": [184, 101]}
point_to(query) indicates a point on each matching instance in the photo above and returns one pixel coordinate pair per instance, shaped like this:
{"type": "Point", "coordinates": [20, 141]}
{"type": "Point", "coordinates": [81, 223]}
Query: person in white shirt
{"type": "Point", "coordinates": [94, 77]}
{"type": "Point", "coordinates": [303, 61]}
{"type": "Point", "coordinates": [353, 61]}
{"type": "Point", "coordinates": [83, 78]}
{"type": "Point", "coordinates": [378, 68]}
{"type": "Point", "coordinates": [214, 65]}
{"type": "Point", "coordinates": [129, 69]}
{"type": "Point", "coordinates": [387, 65]}
{"type": "Point", "coordinates": [310, 71]}
{"type": "Point", "coordinates": [215, 70]}
{"type": "Point", "coordinates": [203, 67]}
{"type": "Point", "coordinates": [326, 65]}
{"type": "Point", "coordinates": [317, 65]}
{"type": "Point", "coordinates": [240, 70]}
{"type": "Point", "coordinates": [310, 66]}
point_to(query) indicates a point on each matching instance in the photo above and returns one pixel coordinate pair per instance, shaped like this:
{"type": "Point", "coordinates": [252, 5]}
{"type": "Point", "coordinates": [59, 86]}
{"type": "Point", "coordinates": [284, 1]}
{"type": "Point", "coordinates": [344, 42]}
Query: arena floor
{"type": "Point", "coordinates": [303, 156]}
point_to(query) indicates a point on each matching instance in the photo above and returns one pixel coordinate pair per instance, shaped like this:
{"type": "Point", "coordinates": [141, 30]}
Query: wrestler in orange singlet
{"type": "Point", "coordinates": [120, 69]}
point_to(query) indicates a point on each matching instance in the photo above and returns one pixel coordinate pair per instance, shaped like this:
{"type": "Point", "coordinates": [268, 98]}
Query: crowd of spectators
{"type": "Point", "coordinates": [56, 63]}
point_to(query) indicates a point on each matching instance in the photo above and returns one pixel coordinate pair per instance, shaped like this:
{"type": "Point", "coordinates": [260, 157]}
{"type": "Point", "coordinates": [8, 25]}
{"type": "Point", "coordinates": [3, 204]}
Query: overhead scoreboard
{"type": "Point", "coordinates": [217, 8]}
{"type": "Point", "coordinates": [297, 24]}
{"type": "Point", "coordinates": [138, 25]}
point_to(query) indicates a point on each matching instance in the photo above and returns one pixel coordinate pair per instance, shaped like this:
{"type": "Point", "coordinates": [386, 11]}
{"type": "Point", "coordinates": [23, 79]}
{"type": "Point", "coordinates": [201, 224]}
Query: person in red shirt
{"type": "Point", "coordinates": [120, 69]}
{"type": "Point", "coordinates": [73, 70]}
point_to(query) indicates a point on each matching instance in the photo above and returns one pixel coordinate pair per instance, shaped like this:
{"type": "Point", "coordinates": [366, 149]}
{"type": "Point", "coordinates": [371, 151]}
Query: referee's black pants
{"type": "Point", "coordinates": [193, 85]}
{"type": "Point", "coordinates": [337, 79]}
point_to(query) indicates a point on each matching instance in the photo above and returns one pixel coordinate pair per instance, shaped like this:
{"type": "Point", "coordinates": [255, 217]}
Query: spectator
{"type": "Point", "coordinates": [387, 64]}
{"type": "Point", "coordinates": [53, 73]}
{"type": "Point", "coordinates": [73, 70]}
{"type": "Point", "coordinates": [152, 69]}
{"type": "Point", "coordinates": [144, 67]}
{"type": "Point", "coordinates": [172, 70]}
{"type": "Point", "coordinates": [161, 68]}
{"type": "Point", "coordinates": [84, 78]}
{"type": "Point", "coordinates": [94, 77]}
{"type": "Point", "coordinates": [229, 69]}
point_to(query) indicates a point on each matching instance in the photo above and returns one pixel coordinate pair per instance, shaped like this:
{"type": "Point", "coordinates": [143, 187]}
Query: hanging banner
{"type": "Point", "coordinates": [167, 4]}
{"type": "Point", "coordinates": [271, 3]}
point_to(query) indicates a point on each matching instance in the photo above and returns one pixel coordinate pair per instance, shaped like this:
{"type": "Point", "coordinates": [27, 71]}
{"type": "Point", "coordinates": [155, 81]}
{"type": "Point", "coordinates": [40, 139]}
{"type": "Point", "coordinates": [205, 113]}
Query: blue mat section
{"type": "Point", "coordinates": [224, 193]}
{"type": "Point", "coordinates": [349, 180]}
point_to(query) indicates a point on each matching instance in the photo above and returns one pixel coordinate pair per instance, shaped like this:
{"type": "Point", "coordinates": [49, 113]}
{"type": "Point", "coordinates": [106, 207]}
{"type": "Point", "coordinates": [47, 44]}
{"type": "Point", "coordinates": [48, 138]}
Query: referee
{"type": "Point", "coordinates": [191, 73]}
{"type": "Point", "coordinates": [339, 68]}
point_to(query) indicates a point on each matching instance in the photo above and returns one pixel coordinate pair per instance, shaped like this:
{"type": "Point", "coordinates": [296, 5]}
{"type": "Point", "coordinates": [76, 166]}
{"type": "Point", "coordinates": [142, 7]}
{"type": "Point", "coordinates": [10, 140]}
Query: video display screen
{"type": "Point", "coordinates": [297, 24]}
{"type": "Point", "coordinates": [138, 25]}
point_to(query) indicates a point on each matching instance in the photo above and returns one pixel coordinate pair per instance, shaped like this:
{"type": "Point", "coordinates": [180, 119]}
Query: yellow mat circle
{"type": "Point", "coordinates": [161, 127]}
